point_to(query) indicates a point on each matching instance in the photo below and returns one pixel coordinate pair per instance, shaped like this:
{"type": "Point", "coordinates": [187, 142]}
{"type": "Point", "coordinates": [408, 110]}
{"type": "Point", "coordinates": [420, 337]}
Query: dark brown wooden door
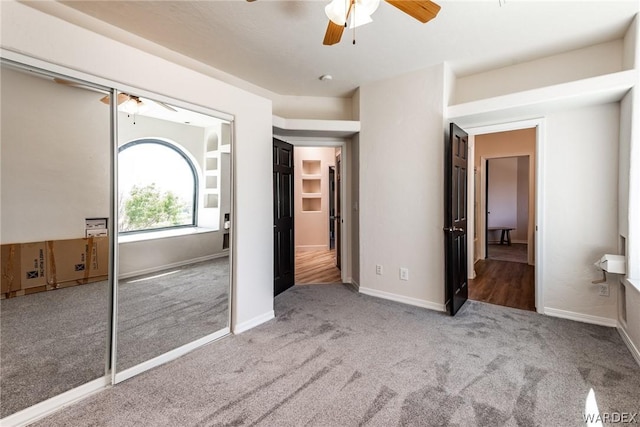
{"type": "Point", "coordinates": [338, 211]}
{"type": "Point", "coordinates": [332, 207]}
{"type": "Point", "coordinates": [455, 227]}
{"type": "Point", "coordinates": [283, 220]}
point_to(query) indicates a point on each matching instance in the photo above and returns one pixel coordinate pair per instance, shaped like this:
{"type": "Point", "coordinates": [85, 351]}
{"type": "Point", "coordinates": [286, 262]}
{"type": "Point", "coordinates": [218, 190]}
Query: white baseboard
{"type": "Point", "coordinates": [173, 265]}
{"type": "Point", "coordinates": [579, 317]}
{"type": "Point", "coordinates": [310, 248]}
{"type": "Point", "coordinates": [630, 345]}
{"type": "Point", "coordinates": [47, 407]}
{"type": "Point", "coordinates": [252, 323]}
{"type": "Point", "coordinates": [403, 299]}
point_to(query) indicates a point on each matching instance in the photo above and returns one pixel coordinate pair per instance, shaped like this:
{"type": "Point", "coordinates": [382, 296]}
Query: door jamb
{"type": "Point", "coordinates": [538, 237]}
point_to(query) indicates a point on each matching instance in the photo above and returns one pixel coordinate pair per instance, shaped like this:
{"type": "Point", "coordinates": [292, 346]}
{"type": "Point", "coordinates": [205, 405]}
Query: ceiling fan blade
{"type": "Point", "coordinates": [122, 97]}
{"type": "Point", "coordinates": [422, 10]}
{"type": "Point", "coordinates": [333, 34]}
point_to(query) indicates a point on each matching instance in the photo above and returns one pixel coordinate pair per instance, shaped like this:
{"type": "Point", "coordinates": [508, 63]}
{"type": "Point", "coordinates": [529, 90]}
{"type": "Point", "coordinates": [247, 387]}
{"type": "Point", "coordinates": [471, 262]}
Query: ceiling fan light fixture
{"type": "Point", "coordinates": [357, 11]}
{"type": "Point", "coordinates": [133, 106]}
{"type": "Point", "coordinates": [336, 11]}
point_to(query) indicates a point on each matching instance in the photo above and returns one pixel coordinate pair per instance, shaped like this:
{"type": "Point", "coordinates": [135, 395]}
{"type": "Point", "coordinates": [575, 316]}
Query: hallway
{"type": "Point", "coordinates": [313, 267]}
{"type": "Point", "coordinates": [505, 283]}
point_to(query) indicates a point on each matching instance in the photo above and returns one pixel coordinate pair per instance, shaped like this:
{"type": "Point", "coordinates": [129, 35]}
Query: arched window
{"type": "Point", "coordinates": [157, 186]}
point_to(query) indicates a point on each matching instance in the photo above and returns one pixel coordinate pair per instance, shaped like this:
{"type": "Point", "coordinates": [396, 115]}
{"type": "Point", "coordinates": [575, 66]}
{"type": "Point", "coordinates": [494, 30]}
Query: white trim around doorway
{"type": "Point", "coordinates": [539, 125]}
{"type": "Point", "coordinates": [345, 192]}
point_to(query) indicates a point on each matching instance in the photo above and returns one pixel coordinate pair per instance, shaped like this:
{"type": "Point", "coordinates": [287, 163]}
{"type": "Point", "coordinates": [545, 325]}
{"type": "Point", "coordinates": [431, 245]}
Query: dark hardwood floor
{"type": "Point", "coordinates": [313, 267]}
{"type": "Point", "coordinates": [510, 284]}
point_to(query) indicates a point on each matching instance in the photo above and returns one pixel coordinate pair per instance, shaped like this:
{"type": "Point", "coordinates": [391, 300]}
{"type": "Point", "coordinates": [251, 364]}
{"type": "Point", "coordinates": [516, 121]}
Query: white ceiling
{"type": "Point", "coordinates": [277, 45]}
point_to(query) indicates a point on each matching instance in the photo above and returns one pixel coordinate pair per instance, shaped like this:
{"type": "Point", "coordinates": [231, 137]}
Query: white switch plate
{"type": "Point", "coordinates": [379, 269]}
{"type": "Point", "coordinates": [404, 273]}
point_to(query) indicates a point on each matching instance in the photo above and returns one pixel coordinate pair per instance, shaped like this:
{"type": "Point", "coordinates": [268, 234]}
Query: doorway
{"type": "Point", "coordinates": [503, 194]}
{"type": "Point", "coordinates": [317, 201]}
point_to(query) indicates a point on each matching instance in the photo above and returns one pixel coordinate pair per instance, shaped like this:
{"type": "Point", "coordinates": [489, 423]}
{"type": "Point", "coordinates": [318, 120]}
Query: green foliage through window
{"type": "Point", "coordinates": [147, 207]}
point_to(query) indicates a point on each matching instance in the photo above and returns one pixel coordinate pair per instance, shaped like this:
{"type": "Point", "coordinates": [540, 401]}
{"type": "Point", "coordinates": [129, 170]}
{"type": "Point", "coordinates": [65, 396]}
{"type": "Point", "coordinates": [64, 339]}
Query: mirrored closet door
{"type": "Point", "coordinates": [55, 310]}
{"type": "Point", "coordinates": [174, 198]}
{"type": "Point", "coordinates": [116, 234]}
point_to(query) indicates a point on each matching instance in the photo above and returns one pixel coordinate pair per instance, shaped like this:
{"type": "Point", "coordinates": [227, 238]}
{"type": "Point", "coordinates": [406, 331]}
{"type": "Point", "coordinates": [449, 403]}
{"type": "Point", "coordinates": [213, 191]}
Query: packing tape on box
{"type": "Point", "coordinates": [88, 260]}
{"type": "Point", "coordinates": [7, 273]}
{"type": "Point", "coordinates": [51, 259]}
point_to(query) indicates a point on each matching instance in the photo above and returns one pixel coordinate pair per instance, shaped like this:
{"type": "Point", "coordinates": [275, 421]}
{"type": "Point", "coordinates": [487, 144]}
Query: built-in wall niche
{"type": "Point", "coordinates": [311, 204]}
{"type": "Point", "coordinates": [212, 164]}
{"type": "Point", "coordinates": [212, 143]}
{"type": "Point", "coordinates": [211, 201]}
{"type": "Point", "coordinates": [211, 182]}
{"type": "Point", "coordinates": [311, 186]}
{"type": "Point", "coordinates": [311, 167]}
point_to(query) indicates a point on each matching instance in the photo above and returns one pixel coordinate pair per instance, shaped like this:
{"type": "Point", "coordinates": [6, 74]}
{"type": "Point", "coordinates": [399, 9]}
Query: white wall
{"type": "Point", "coordinates": [311, 107]}
{"type": "Point", "coordinates": [580, 221]}
{"type": "Point", "coordinates": [521, 233]}
{"type": "Point", "coordinates": [147, 256]}
{"type": "Point", "coordinates": [66, 45]}
{"type": "Point", "coordinates": [502, 203]}
{"type": "Point", "coordinates": [579, 64]}
{"type": "Point", "coordinates": [508, 201]}
{"type": "Point", "coordinates": [629, 193]}
{"type": "Point", "coordinates": [56, 173]}
{"type": "Point", "coordinates": [401, 187]}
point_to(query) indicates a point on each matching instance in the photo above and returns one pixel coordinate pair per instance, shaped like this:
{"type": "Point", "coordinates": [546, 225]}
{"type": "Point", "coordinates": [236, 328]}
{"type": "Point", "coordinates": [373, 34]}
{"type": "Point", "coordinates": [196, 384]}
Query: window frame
{"type": "Point", "coordinates": [196, 184]}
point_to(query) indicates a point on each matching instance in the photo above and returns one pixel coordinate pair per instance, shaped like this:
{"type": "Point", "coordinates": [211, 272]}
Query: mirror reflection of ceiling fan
{"type": "Point", "coordinates": [128, 103]}
{"type": "Point", "coordinates": [358, 12]}
{"type": "Point", "coordinates": [133, 104]}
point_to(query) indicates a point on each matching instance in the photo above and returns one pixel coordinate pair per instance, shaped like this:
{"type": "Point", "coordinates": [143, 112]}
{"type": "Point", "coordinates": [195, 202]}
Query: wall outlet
{"type": "Point", "coordinates": [603, 289]}
{"type": "Point", "coordinates": [404, 273]}
{"type": "Point", "coordinates": [379, 269]}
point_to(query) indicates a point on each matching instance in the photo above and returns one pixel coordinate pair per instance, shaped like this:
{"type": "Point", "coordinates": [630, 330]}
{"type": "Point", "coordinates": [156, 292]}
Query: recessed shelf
{"type": "Point", "coordinates": [212, 142]}
{"type": "Point", "coordinates": [311, 185]}
{"type": "Point", "coordinates": [212, 163]}
{"type": "Point", "coordinates": [211, 201]}
{"type": "Point", "coordinates": [311, 167]}
{"type": "Point", "coordinates": [311, 204]}
{"type": "Point", "coordinates": [211, 181]}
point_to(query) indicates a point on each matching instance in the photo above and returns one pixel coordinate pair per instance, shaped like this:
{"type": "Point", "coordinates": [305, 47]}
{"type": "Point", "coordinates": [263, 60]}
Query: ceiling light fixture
{"type": "Point", "coordinates": [326, 77]}
{"type": "Point", "coordinates": [133, 105]}
{"type": "Point", "coordinates": [358, 11]}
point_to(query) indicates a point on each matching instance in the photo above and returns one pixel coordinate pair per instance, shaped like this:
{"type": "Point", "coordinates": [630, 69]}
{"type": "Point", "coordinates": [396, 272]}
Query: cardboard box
{"type": "Point", "coordinates": [24, 266]}
{"type": "Point", "coordinates": [33, 264]}
{"type": "Point", "coordinates": [10, 264]}
{"type": "Point", "coordinates": [77, 260]}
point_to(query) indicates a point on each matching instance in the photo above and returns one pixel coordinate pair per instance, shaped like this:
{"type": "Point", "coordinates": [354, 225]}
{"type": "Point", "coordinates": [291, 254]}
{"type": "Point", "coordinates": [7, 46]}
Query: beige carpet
{"type": "Point", "coordinates": [333, 357]}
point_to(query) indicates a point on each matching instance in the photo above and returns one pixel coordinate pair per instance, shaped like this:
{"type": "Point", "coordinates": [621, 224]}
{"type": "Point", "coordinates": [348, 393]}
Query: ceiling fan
{"type": "Point", "coordinates": [133, 104]}
{"type": "Point", "coordinates": [129, 103]}
{"type": "Point", "coordinates": [358, 12]}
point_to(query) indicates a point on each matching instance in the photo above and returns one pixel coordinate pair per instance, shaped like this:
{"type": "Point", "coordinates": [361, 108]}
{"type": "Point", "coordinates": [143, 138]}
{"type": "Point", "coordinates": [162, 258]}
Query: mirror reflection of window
{"type": "Point", "coordinates": [149, 197]}
{"type": "Point", "coordinates": [174, 193]}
